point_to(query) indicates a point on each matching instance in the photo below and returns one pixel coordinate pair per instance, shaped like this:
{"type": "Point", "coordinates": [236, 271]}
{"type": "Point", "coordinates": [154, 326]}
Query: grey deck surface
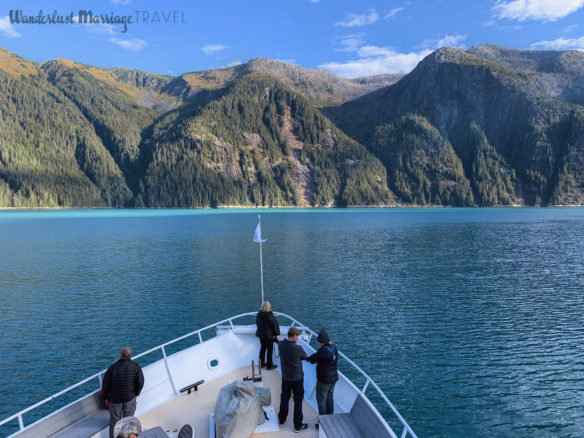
{"type": "Point", "coordinates": [82, 419]}
{"type": "Point", "coordinates": [156, 432]}
{"type": "Point", "coordinates": [195, 408]}
{"type": "Point", "coordinates": [87, 426]}
{"type": "Point", "coordinates": [339, 426]}
{"type": "Point", "coordinates": [361, 422]}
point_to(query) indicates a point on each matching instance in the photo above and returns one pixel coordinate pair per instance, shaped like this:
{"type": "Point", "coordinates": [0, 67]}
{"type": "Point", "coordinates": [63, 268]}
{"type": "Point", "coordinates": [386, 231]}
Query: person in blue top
{"type": "Point", "coordinates": [326, 359]}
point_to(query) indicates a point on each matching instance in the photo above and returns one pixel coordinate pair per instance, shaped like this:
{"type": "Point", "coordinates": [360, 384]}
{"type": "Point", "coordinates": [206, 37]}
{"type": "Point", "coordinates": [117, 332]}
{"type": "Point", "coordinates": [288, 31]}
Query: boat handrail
{"type": "Point", "coordinates": [161, 347]}
{"type": "Point", "coordinates": [368, 381]}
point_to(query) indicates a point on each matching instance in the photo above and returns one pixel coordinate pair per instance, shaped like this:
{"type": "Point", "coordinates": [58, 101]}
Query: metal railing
{"type": "Point", "coordinates": [368, 381]}
{"type": "Point", "coordinates": [19, 416]}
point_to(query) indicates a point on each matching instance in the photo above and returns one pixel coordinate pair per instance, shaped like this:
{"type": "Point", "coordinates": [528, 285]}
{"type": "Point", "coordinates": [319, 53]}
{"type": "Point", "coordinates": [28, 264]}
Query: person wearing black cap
{"type": "Point", "coordinates": [326, 359]}
{"type": "Point", "coordinates": [291, 357]}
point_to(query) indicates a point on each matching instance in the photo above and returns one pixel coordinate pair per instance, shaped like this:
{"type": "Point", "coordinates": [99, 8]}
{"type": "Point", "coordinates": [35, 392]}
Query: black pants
{"type": "Point", "coordinates": [267, 345]}
{"type": "Point", "coordinates": [298, 388]}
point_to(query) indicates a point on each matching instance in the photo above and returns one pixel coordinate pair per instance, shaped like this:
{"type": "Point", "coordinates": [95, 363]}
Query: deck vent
{"type": "Point", "coordinates": [213, 363]}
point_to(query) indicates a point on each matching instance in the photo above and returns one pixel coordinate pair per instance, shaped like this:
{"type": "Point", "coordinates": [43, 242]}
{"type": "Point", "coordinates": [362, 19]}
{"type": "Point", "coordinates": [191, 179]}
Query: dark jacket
{"type": "Point", "coordinates": [122, 381]}
{"type": "Point", "coordinates": [326, 363]}
{"type": "Point", "coordinates": [291, 357]}
{"type": "Point", "coordinates": [268, 326]}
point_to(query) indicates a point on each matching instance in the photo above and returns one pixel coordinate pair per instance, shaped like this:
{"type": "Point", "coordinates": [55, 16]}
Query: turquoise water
{"type": "Point", "coordinates": [470, 320]}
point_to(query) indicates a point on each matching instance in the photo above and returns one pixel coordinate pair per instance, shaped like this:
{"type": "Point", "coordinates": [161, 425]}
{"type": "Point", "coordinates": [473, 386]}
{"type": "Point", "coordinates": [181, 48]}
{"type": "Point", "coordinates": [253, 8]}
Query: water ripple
{"type": "Point", "coordinates": [470, 320]}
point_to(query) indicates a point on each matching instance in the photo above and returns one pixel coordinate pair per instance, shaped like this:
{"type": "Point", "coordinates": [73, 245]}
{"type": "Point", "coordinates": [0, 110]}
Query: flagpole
{"type": "Point", "coordinates": [261, 261]}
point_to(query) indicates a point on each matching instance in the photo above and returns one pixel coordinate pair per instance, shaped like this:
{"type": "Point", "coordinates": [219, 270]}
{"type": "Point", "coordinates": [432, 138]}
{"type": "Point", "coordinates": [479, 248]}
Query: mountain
{"type": "Point", "coordinates": [478, 127]}
{"type": "Point", "coordinates": [555, 73]}
{"type": "Point", "coordinates": [512, 118]}
{"type": "Point", "coordinates": [259, 143]}
{"type": "Point", "coordinates": [323, 88]}
{"type": "Point", "coordinates": [50, 154]}
{"type": "Point", "coordinates": [77, 135]}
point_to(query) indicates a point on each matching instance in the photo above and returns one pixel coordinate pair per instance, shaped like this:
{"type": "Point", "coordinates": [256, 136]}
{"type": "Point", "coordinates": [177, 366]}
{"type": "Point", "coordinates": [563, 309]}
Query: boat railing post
{"type": "Point", "coordinates": [168, 371]}
{"type": "Point", "coordinates": [200, 337]}
{"type": "Point", "coordinates": [100, 380]}
{"type": "Point", "coordinates": [20, 422]}
{"type": "Point", "coordinates": [404, 433]}
{"type": "Point", "coordinates": [365, 386]}
{"type": "Point", "coordinates": [231, 324]}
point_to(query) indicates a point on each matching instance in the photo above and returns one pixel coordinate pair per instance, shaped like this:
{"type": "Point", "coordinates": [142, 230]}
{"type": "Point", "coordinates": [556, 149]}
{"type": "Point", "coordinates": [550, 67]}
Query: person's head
{"type": "Point", "coordinates": [323, 337]}
{"type": "Point", "coordinates": [131, 430]}
{"type": "Point", "coordinates": [293, 334]}
{"type": "Point", "coordinates": [266, 307]}
{"type": "Point", "coordinates": [128, 427]}
{"type": "Point", "coordinates": [126, 353]}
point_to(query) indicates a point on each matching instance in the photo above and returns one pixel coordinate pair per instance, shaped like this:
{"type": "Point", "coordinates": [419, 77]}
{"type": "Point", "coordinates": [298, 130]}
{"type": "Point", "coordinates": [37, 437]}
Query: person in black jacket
{"type": "Point", "coordinates": [122, 383]}
{"type": "Point", "coordinates": [291, 357]}
{"type": "Point", "coordinates": [326, 359]}
{"type": "Point", "coordinates": [268, 331]}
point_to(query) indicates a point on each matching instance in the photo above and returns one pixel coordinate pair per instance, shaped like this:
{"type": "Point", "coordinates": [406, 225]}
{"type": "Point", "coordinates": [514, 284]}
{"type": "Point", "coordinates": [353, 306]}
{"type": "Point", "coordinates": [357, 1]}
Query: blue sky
{"type": "Point", "coordinates": [348, 38]}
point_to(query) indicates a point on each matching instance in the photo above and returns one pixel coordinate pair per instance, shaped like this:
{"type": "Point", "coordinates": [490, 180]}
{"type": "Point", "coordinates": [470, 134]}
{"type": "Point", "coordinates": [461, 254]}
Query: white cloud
{"type": "Point", "coordinates": [6, 28]}
{"type": "Point", "coordinates": [570, 29]}
{"type": "Point", "coordinates": [314, 1]}
{"type": "Point", "coordinates": [392, 13]}
{"type": "Point", "coordinates": [351, 43]}
{"type": "Point", "coordinates": [211, 49]}
{"type": "Point", "coordinates": [540, 10]}
{"type": "Point", "coordinates": [134, 45]}
{"type": "Point", "coordinates": [445, 41]}
{"type": "Point", "coordinates": [560, 44]}
{"type": "Point", "coordinates": [353, 20]}
{"type": "Point", "coordinates": [499, 26]}
{"type": "Point", "coordinates": [121, 2]}
{"type": "Point", "coordinates": [101, 28]}
{"type": "Point", "coordinates": [234, 63]}
{"type": "Point", "coordinates": [451, 41]}
{"type": "Point", "coordinates": [374, 60]}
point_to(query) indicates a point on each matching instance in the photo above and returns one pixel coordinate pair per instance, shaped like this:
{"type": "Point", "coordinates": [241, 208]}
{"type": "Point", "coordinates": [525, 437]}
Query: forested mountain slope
{"type": "Point", "coordinates": [481, 127]}
{"type": "Point", "coordinates": [512, 118]}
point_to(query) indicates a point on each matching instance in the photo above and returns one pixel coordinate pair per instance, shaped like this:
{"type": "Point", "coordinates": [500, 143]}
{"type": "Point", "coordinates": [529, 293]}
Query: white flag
{"type": "Point", "coordinates": [257, 236]}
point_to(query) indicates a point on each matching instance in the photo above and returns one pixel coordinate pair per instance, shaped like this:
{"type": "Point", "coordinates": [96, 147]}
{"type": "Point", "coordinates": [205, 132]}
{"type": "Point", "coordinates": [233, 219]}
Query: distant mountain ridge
{"type": "Point", "coordinates": [477, 127]}
{"type": "Point", "coordinates": [241, 136]}
{"type": "Point", "coordinates": [513, 118]}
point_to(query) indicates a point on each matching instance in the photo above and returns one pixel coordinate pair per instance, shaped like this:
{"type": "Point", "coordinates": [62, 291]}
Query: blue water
{"type": "Point", "coordinates": [470, 320]}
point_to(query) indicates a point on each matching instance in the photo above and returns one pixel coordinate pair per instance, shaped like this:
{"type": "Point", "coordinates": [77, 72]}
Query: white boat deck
{"type": "Point", "coordinates": [224, 358]}
{"type": "Point", "coordinates": [196, 408]}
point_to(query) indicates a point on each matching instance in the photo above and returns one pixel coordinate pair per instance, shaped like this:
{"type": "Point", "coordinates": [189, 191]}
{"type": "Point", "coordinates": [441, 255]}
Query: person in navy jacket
{"type": "Point", "coordinates": [326, 359]}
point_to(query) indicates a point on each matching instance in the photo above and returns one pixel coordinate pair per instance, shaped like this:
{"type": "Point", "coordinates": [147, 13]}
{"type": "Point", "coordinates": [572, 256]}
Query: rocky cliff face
{"type": "Point", "coordinates": [558, 74]}
{"type": "Point", "coordinates": [523, 106]}
{"type": "Point", "coordinates": [258, 143]}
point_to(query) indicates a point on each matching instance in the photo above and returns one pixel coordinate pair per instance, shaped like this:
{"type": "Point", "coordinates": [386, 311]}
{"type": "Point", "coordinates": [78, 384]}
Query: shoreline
{"type": "Point", "coordinates": [239, 207]}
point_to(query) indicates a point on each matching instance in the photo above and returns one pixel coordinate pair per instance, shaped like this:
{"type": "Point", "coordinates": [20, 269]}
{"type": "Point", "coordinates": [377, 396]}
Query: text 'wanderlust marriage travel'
{"type": "Point", "coordinates": [88, 17]}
